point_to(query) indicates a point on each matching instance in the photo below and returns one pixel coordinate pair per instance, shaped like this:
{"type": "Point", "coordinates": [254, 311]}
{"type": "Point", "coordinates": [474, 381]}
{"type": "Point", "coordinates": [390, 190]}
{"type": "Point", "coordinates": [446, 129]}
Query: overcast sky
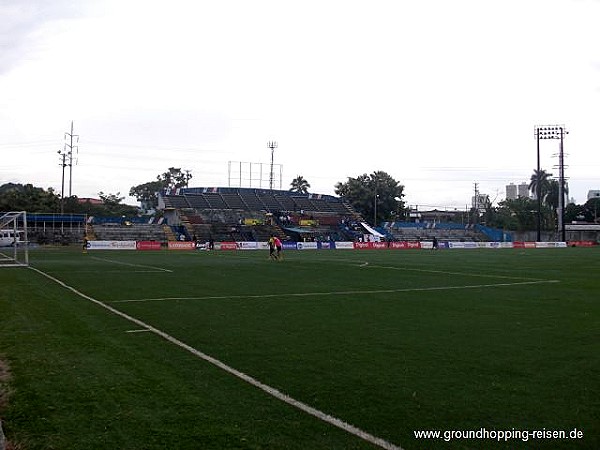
{"type": "Point", "coordinates": [439, 94]}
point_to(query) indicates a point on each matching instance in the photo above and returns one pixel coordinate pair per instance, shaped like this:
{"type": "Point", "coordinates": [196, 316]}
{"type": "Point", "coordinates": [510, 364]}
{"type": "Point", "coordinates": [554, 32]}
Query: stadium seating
{"type": "Point", "coordinates": [241, 214]}
{"type": "Point", "coordinates": [133, 232]}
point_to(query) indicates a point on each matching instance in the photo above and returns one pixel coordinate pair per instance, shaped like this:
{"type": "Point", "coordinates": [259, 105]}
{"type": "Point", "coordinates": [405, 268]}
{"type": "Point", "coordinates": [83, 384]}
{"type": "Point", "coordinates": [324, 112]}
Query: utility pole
{"type": "Point", "coordinates": [272, 145]}
{"type": "Point", "coordinates": [70, 153]}
{"type": "Point", "coordinates": [476, 201]}
{"type": "Point", "coordinates": [63, 157]}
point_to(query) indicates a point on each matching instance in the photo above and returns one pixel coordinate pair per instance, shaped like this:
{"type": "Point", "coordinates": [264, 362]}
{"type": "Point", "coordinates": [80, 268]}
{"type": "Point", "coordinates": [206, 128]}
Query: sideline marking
{"type": "Point", "coordinates": [351, 429]}
{"type": "Point", "coordinates": [130, 264]}
{"type": "Point", "coordinates": [310, 294]}
{"type": "Point", "coordinates": [137, 331]}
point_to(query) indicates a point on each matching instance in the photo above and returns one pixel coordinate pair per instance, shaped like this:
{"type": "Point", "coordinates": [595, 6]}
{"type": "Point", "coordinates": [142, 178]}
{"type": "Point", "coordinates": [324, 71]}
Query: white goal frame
{"type": "Point", "coordinates": [14, 243]}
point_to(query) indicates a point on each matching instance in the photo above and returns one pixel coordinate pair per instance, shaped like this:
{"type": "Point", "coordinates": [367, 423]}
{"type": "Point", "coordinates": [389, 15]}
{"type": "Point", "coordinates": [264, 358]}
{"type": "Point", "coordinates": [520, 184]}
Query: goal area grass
{"type": "Point", "coordinates": [230, 350]}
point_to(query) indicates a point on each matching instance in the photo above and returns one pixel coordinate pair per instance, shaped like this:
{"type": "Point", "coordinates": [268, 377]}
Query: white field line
{"type": "Point", "coordinates": [130, 264]}
{"type": "Point", "coordinates": [366, 264]}
{"type": "Point", "coordinates": [242, 376]}
{"type": "Point", "coordinates": [463, 274]}
{"type": "Point", "coordinates": [365, 292]}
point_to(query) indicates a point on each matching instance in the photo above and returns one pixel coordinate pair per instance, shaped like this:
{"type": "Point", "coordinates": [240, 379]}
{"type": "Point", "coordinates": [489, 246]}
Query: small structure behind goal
{"type": "Point", "coordinates": [14, 244]}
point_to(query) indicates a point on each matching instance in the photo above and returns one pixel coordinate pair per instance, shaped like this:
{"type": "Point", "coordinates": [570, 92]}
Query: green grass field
{"type": "Point", "coordinates": [110, 349]}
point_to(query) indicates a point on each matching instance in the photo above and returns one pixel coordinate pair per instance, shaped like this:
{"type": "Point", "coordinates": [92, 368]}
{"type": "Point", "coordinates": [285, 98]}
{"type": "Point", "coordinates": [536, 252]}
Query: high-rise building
{"type": "Point", "coordinates": [511, 192]}
{"type": "Point", "coordinates": [523, 190]}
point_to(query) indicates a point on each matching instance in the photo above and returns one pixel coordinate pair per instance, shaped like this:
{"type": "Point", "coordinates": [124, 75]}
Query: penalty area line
{"type": "Point", "coordinates": [351, 429]}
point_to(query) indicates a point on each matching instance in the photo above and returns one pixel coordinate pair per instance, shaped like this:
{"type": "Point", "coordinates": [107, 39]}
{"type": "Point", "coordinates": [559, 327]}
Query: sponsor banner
{"type": "Point", "coordinates": [518, 244]}
{"type": "Point", "coordinates": [581, 243]}
{"type": "Point", "coordinates": [404, 245]}
{"type": "Point", "coordinates": [370, 245]}
{"type": "Point", "coordinates": [242, 245]}
{"type": "Point", "coordinates": [111, 245]}
{"type": "Point", "coordinates": [290, 246]}
{"type": "Point", "coordinates": [550, 244]}
{"type": "Point", "coordinates": [307, 245]}
{"type": "Point", "coordinates": [529, 245]}
{"type": "Point", "coordinates": [148, 245]}
{"type": "Point", "coordinates": [467, 244]}
{"type": "Point", "coordinates": [324, 245]}
{"type": "Point", "coordinates": [228, 246]}
{"type": "Point", "coordinates": [344, 245]}
{"type": "Point", "coordinates": [181, 245]}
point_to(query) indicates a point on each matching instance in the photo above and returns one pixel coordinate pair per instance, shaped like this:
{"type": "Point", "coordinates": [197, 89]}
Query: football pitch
{"type": "Point", "coordinates": [339, 349]}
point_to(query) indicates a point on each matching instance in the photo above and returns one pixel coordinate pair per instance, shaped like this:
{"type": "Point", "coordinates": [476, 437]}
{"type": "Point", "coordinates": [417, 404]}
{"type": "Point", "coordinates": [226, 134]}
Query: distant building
{"type": "Point", "coordinates": [523, 190]}
{"type": "Point", "coordinates": [514, 192]}
{"type": "Point", "coordinates": [511, 191]}
{"type": "Point", "coordinates": [593, 194]}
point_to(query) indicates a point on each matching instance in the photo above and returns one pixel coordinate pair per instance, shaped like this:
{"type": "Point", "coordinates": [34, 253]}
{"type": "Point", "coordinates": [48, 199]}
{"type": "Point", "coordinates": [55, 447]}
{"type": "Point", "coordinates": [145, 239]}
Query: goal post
{"type": "Point", "coordinates": [14, 243]}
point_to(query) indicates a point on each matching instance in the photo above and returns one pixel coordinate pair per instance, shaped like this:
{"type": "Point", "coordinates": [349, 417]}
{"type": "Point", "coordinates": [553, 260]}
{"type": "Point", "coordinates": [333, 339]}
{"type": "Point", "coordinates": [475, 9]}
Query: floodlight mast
{"type": "Point", "coordinates": [552, 132]}
{"type": "Point", "coordinates": [272, 145]}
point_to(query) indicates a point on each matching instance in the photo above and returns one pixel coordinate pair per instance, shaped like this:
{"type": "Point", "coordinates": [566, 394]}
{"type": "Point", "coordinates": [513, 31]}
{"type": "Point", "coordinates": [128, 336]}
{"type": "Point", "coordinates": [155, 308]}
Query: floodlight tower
{"type": "Point", "coordinates": [551, 132]}
{"type": "Point", "coordinates": [272, 145]}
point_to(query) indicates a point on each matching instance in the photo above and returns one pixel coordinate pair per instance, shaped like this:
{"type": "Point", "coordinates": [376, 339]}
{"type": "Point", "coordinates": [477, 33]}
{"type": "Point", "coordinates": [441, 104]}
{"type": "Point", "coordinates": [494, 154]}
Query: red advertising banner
{"type": "Point", "coordinates": [181, 245]}
{"type": "Point", "coordinates": [148, 245]}
{"type": "Point", "coordinates": [518, 244]}
{"type": "Point", "coordinates": [404, 245]}
{"type": "Point", "coordinates": [363, 245]}
{"type": "Point", "coordinates": [581, 243]}
{"type": "Point", "coordinates": [228, 246]}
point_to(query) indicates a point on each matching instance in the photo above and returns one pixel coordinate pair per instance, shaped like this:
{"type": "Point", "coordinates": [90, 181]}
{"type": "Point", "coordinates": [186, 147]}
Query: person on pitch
{"type": "Point", "coordinates": [271, 243]}
{"type": "Point", "coordinates": [278, 247]}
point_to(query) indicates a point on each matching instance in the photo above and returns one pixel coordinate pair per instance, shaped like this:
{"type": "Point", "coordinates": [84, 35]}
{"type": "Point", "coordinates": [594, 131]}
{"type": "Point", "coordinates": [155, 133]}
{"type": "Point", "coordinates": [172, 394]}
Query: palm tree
{"type": "Point", "coordinates": [540, 181]}
{"type": "Point", "coordinates": [300, 185]}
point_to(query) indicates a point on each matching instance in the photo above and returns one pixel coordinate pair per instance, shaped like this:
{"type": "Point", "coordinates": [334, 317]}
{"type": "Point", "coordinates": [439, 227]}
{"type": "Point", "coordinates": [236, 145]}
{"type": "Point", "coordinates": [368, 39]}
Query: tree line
{"type": "Point", "coordinates": [376, 197]}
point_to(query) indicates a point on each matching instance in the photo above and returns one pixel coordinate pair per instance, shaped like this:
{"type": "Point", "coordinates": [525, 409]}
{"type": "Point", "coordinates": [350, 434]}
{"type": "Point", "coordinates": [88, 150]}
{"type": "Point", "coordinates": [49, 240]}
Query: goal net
{"type": "Point", "coordinates": [14, 245]}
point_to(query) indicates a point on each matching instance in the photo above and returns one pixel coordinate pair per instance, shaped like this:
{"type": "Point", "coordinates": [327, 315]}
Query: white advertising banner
{"type": "Point", "coordinates": [244, 245]}
{"type": "Point", "coordinates": [344, 245]}
{"type": "Point", "coordinates": [307, 245]}
{"type": "Point", "coordinates": [111, 245]}
{"type": "Point", "coordinates": [550, 245]}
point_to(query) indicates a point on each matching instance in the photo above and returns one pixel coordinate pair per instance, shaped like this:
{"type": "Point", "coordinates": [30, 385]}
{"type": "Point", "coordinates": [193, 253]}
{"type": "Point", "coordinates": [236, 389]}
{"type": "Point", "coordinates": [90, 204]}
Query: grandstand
{"type": "Point", "coordinates": [129, 232]}
{"type": "Point", "coordinates": [243, 214]}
